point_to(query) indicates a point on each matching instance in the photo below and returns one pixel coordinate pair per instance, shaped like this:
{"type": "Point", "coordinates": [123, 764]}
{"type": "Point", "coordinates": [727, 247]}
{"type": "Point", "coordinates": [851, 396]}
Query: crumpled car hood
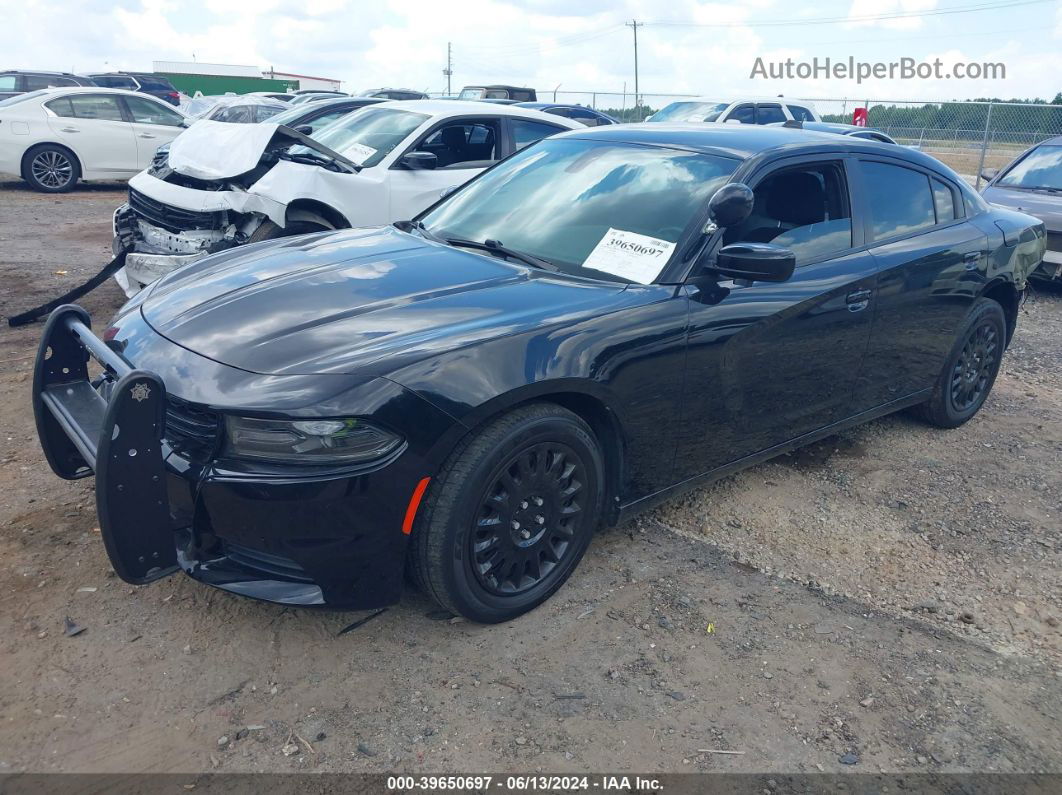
{"type": "Point", "coordinates": [360, 301]}
{"type": "Point", "coordinates": [212, 150]}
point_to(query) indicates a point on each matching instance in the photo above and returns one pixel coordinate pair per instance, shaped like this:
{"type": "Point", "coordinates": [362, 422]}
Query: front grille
{"type": "Point", "coordinates": [191, 429]}
{"type": "Point", "coordinates": [1054, 241]}
{"type": "Point", "coordinates": [263, 562]}
{"type": "Point", "coordinates": [173, 218]}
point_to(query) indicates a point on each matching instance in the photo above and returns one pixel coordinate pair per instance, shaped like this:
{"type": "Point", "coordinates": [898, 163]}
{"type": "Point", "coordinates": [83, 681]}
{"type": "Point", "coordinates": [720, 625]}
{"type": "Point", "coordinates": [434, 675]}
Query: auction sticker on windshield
{"type": "Point", "coordinates": [359, 153]}
{"type": "Point", "coordinates": [639, 258]}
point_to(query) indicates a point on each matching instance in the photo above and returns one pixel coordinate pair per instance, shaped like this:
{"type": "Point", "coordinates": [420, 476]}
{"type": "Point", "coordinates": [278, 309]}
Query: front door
{"type": "Point", "coordinates": [153, 125]}
{"type": "Point", "coordinates": [770, 362]}
{"type": "Point", "coordinates": [462, 147]}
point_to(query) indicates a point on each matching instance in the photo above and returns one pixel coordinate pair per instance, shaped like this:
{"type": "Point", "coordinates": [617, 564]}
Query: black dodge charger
{"type": "Point", "coordinates": [606, 318]}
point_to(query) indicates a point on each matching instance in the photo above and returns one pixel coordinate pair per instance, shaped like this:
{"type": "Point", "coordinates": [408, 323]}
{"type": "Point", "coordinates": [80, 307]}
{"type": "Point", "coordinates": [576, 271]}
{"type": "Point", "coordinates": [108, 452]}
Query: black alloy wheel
{"type": "Point", "coordinates": [529, 517]}
{"type": "Point", "coordinates": [976, 366]}
{"type": "Point", "coordinates": [509, 515]}
{"type": "Point", "coordinates": [971, 368]}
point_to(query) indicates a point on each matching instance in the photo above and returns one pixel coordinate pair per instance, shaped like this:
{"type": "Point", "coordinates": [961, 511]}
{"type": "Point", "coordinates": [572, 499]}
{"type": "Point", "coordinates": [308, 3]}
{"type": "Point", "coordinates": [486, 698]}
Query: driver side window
{"type": "Point", "coordinates": [462, 142]}
{"type": "Point", "coordinates": [804, 209]}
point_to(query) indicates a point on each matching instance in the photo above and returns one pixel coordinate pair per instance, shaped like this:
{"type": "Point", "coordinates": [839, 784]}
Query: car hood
{"type": "Point", "coordinates": [212, 150]}
{"type": "Point", "coordinates": [364, 301]}
{"type": "Point", "coordinates": [1045, 206]}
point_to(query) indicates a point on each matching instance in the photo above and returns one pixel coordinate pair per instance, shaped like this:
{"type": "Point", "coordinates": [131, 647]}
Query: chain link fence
{"type": "Point", "coordinates": [968, 136]}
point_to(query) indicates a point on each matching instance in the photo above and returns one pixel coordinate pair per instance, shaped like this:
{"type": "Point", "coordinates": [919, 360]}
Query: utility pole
{"type": "Point", "coordinates": [633, 24]}
{"type": "Point", "coordinates": [449, 70]}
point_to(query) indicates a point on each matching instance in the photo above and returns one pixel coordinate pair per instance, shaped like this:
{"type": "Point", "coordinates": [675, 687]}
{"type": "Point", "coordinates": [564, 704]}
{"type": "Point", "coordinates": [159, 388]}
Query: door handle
{"type": "Point", "coordinates": [146, 135]}
{"type": "Point", "coordinates": [971, 259]}
{"type": "Point", "coordinates": [858, 300]}
{"type": "Point", "coordinates": [69, 130]}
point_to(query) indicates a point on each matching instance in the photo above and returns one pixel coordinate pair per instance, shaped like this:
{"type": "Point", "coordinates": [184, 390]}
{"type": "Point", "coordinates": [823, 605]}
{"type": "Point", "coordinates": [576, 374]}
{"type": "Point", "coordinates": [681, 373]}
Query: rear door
{"type": "Point", "coordinates": [154, 124]}
{"type": "Point", "coordinates": [463, 147]}
{"type": "Point", "coordinates": [95, 128]}
{"type": "Point", "coordinates": [771, 362]}
{"type": "Point", "coordinates": [932, 264]}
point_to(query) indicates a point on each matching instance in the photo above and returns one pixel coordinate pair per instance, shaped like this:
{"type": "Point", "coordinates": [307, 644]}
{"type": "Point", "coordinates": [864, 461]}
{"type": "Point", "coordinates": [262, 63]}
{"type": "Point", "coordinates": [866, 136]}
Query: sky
{"type": "Point", "coordinates": [685, 47]}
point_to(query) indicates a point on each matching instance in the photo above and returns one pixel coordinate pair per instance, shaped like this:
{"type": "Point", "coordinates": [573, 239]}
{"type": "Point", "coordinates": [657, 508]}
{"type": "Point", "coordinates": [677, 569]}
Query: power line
{"type": "Point", "coordinates": [835, 20]}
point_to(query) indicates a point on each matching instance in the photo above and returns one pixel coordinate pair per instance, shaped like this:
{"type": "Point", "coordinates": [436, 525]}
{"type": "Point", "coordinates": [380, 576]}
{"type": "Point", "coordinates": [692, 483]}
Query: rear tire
{"type": "Point", "coordinates": [50, 168]}
{"type": "Point", "coordinates": [509, 516]}
{"type": "Point", "coordinates": [971, 368]}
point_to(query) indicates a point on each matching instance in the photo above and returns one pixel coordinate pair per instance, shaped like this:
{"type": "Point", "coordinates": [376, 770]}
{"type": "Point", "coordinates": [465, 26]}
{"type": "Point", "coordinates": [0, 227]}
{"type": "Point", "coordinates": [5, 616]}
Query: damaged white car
{"type": "Point", "coordinates": [222, 185]}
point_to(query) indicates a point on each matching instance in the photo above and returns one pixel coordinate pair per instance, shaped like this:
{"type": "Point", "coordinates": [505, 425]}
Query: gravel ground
{"type": "Point", "coordinates": [887, 599]}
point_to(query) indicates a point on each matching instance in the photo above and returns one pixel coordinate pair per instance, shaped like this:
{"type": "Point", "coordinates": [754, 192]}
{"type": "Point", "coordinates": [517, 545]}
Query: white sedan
{"type": "Point", "coordinates": [56, 136]}
{"type": "Point", "coordinates": [222, 185]}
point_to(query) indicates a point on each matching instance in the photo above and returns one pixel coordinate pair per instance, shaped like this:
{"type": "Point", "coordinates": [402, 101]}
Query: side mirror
{"type": "Point", "coordinates": [731, 204]}
{"type": "Point", "coordinates": [989, 173]}
{"type": "Point", "coordinates": [755, 262]}
{"type": "Point", "coordinates": [419, 161]}
{"type": "Point", "coordinates": [305, 129]}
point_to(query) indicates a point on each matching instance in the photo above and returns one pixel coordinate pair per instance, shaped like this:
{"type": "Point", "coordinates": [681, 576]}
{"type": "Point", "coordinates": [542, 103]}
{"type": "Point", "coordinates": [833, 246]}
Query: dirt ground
{"type": "Point", "coordinates": [889, 597]}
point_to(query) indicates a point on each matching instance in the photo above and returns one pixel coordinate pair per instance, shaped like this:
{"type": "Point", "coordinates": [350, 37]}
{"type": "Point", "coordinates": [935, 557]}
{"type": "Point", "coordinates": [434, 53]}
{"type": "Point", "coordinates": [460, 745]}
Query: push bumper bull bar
{"type": "Point", "coordinates": [119, 439]}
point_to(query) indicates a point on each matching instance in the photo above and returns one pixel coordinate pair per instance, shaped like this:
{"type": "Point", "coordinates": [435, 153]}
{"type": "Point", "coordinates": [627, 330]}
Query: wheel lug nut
{"type": "Point", "coordinates": [526, 534]}
{"type": "Point", "coordinates": [540, 519]}
{"type": "Point", "coordinates": [516, 525]}
{"type": "Point", "coordinates": [538, 502]}
{"type": "Point", "coordinates": [523, 504]}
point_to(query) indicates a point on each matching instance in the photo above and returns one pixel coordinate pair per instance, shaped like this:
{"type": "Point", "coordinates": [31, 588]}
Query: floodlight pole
{"type": "Point", "coordinates": [633, 24]}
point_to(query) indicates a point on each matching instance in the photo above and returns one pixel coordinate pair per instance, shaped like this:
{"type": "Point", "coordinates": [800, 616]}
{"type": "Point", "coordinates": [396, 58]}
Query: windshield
{"type": "Point", "coordinates": [1041, 168]}
{"type": "Point", "coordinates": [690, 111]}
{"type": "Point", "coordinates": [199, 106]}
{"type": "Point", "coordinates": [367, 137]}
{"type": "Point", "coordinates": [604, 210]}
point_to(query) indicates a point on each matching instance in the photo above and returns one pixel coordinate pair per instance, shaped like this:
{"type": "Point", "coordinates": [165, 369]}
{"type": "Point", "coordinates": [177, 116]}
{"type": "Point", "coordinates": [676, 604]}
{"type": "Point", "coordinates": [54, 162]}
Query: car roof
{"type": "Point", "coordinates": [827, 126]}
{"type": "Point", "coordinates": [38, 72]}
{"type": "Point", "coordinates": [539, 105]}
{"type": "Point", "coordinates": [327, 103]}
{"type": "Point", "coordinates": [746, 140]}
{"type": "Point", "coordinates": [731, 99]}
{"type": "Point", "coordinates": [95, 90]}
{"type": "Point", "coordinates": [464, 107]}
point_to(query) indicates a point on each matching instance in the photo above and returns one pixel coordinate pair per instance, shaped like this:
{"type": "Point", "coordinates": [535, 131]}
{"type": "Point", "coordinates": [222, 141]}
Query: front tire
{"type": "Point", "coordinates": [50, 168]}
{"type": "Point", "coordinates": [509, 516]}
{"type": "Point", "coordinates": [971, 367]}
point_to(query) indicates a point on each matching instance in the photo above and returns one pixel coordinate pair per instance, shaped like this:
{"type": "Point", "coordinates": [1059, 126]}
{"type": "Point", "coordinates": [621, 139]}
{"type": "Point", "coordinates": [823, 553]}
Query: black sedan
{"type": "Point", "coordinates": [1033, 184]}
{"type": "Point", "coordinates": [309, 117]}
{"type": "Point", "coordinates": [580, 113]}
{"type": "Point", "coordinates": [602, 320]}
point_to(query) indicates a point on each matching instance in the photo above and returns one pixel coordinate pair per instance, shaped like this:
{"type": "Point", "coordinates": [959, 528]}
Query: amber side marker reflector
{"type": "Point", "coordinates": [414, 503]}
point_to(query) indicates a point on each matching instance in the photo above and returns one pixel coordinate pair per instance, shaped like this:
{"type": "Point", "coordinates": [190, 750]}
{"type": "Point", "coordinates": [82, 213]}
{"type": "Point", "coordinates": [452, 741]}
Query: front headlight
{"type": "Point", "coordinates": [343, 441]}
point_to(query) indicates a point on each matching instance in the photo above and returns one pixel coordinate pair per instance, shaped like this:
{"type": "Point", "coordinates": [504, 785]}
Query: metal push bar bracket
{"type": "Point", "coordinates": [119, 439]}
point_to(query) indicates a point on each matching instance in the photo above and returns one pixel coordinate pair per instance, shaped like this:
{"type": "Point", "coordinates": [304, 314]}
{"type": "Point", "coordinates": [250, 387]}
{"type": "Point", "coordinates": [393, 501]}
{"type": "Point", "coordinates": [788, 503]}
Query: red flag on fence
{"type": "Point", "coordinates": [859, 117]}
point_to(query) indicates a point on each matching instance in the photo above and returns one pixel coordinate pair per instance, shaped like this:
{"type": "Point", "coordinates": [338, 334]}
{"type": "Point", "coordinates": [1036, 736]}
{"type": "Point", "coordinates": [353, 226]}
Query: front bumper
{"type": "Point", "coordinates": [166, 501]}
{"type": "Point", "coordinates": [1051, 268]}
{"type": "Point", "coordinates": [157, 251]}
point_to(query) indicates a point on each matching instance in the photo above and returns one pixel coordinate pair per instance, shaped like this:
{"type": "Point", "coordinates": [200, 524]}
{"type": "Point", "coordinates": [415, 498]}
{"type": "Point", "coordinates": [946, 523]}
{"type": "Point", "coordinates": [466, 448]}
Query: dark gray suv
{"type": "Point", "coordinates": [18, 81]}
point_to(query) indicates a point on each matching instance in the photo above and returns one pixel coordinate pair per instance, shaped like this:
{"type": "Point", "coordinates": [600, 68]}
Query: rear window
{"type": "Point", "coordinates": [102, 107]}
{"type": "Point", "coordinates": [21, 98]}
{"type": "Point", "coordinates": [114, 81]}
{"type": "Point", "coordinates": [901, 202]}
{"type": "Point", "coordinates": [944, 200]}
{"type": "Point", "coordinates": [155, 84]}
{"type": "Point", "coordinates": [800, 113]}
{"type": "Point", "coordinates": [769, 114]}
